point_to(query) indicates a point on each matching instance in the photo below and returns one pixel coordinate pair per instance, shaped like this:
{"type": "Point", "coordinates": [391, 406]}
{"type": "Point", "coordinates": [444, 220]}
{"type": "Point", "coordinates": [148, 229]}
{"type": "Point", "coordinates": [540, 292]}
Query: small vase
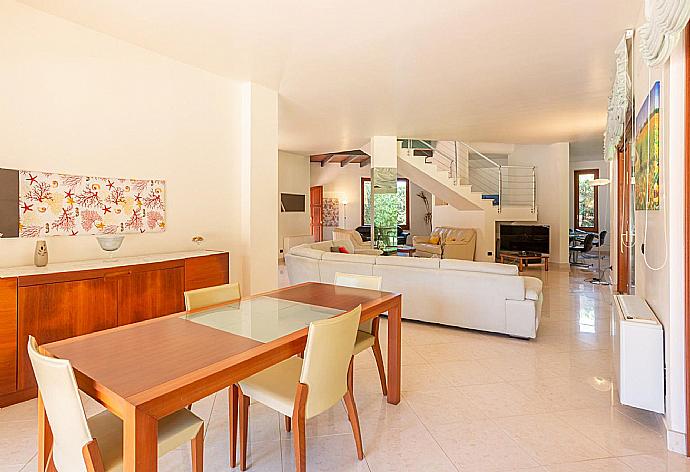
{"type": "Point", "coordinates": [41, 254]}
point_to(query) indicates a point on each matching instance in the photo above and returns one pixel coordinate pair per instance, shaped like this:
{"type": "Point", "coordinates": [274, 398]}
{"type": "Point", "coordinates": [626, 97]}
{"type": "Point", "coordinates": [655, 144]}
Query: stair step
{"type": "Point", "coordinates": [493, 197]}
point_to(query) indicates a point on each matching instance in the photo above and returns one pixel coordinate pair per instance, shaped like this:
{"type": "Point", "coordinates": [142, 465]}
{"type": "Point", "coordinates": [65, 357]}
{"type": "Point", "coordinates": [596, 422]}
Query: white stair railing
{"type": "Point", "coordinates": [507, 185]}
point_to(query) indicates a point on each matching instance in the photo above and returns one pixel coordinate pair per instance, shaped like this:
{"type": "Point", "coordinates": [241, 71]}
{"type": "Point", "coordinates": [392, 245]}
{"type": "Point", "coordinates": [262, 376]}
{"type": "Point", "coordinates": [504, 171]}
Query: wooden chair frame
{"type": "Point", "coordinates": [298, 419]}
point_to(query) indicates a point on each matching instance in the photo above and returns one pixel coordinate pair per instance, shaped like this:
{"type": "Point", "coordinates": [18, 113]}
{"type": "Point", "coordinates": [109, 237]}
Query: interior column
{"type": "Point", "coordinates": [259, 189]}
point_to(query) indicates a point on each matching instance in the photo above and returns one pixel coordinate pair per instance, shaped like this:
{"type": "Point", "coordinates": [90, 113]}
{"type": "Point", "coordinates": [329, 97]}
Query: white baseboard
{"type": "Point", "coordinates": [675, 442]}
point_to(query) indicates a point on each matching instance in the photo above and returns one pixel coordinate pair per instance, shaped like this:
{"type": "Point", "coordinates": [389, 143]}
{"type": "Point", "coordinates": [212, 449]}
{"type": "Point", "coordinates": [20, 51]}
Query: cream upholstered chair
{"type": "Point", "coordinates": [204, 297]}
{"type": "Point", "coordinates": [208, 296]}
{"type": "Point", "coordinates": [303, 388]}
{"type": "Point", "coordinates": [95, 444]}
{"type": "Point", "coordinates": [368, 332]}
{"type": "Point", "coordinates": [446, 242]}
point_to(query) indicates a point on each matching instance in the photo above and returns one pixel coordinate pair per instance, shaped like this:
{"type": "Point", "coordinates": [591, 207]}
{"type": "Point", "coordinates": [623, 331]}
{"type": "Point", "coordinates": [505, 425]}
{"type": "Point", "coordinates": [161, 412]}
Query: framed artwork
{"type": "Point", "coordinates": [331, 212]}
{"type": "Point", "coordinates": [647, 152]}
{"type": "Point", "coordinates": [42, 204]}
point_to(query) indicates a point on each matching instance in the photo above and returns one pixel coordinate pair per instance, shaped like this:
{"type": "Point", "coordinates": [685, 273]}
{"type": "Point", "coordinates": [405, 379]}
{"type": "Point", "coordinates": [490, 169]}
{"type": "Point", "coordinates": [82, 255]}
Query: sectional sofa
{"type": "Point", "coordinates": [476, 295]}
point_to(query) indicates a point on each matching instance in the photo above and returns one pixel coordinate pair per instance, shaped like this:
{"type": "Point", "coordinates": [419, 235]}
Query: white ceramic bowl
{"type": "Point", "coordinates": [110, 242]}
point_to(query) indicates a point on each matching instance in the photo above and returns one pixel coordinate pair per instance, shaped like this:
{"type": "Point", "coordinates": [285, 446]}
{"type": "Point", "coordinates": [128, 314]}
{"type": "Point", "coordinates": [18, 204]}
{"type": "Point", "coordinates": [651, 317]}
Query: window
{"type": "Point", "coordinates": [586, 200]}
{"type": "Point", "coordinates": [402, 200]}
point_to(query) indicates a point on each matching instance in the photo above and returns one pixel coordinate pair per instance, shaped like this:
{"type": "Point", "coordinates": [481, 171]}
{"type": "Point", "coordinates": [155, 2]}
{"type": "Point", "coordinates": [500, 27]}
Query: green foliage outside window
{"type": "Point", "coordinates": [586, 201]}
{"type": "Point", "coordinates": [387, 205]}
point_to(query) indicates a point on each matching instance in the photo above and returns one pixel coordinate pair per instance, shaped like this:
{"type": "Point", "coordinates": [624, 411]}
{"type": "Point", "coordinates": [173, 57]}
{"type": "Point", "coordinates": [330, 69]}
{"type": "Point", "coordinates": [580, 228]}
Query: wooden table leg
{"type": "Point", "coordinates": [233, 402]}
{"type": "Point", "coordinates": [394, 334]}
{"type": "Point", "coordinates": [140, 453]}
{"type": "Point", "coordinates": [546, 264]}
{"type": "Point", "coordinates": [45, 437]}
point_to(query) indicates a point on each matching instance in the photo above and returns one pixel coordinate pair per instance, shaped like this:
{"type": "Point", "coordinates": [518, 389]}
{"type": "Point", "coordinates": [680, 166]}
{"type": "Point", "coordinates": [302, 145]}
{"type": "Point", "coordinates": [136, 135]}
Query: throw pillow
{"type": "Point", "coordinates": [435, 239]}
{"type": "Point", "coordinates": [335, 249]}
{"type": "Point", "coordinates": [343, 250]}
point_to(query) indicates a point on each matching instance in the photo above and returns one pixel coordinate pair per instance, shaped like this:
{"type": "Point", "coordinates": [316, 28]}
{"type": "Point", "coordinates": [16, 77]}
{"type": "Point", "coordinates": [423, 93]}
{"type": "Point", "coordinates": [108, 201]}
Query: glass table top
{"type": "Point", "coordinates": [262, 319]}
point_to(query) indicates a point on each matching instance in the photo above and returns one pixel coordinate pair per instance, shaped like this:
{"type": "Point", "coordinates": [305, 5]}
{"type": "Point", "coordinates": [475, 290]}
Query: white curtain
{"type": "Point", "coordinates": [665, 20]}
{"type": "Point", "coordinates": [618, 101]}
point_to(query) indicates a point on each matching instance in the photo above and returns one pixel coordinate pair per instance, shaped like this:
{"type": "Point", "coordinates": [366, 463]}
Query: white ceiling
{"type": "Point", "coordinates": [528, 71]}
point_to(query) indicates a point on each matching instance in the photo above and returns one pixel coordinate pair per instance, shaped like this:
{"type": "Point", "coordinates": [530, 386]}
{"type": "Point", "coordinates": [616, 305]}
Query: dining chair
{"type": "Point", "coordinates": [368, 332]}
{"type": "Point", "coordinates": [204, 297]}
{"type": "Point", "coordinates": [302, 388]}
{"type": "Point", "coordinates": [95, 444]}
{"type": "Point", "coordinates": [208, 296]}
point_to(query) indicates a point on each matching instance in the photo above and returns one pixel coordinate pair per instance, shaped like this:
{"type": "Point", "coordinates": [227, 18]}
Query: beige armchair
{"type": "Point", "coordinates": [360, 246]}
{"type": "Point", "coordinates": [447, 243]}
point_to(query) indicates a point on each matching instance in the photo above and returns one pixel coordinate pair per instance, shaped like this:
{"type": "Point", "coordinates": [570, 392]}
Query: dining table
{"type": "Point", "coordinates": [144, 371]}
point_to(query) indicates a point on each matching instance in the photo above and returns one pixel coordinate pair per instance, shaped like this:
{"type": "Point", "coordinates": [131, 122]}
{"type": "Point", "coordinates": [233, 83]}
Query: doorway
{"type": "Point", "coordinates": [316, 212]}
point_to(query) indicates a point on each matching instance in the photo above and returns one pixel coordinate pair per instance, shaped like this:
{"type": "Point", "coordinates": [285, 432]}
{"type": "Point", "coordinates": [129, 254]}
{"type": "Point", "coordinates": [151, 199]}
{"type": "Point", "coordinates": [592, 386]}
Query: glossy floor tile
{"type": "Point", "coordinates": [471, 402]}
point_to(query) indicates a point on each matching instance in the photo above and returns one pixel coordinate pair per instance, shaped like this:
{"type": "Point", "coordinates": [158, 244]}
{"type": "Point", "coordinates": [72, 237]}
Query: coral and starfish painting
{"type": "Point", "coordinates": [58, 204]}
{"type": "Point", "coordinates": [647, 152]}
{"type": "Point", "coordinates": [331, 212]}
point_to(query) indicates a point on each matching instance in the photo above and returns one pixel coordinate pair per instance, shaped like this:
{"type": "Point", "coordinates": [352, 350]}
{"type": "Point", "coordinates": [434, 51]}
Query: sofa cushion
{"type": "Point", "coordinates": [485, 267]}
{"type": "Point", "coordinates": [358, 258]}
{"type": "Point", "coordinates": [431, 248]}
{"type": "Point", "coordinates": [533, 288]}
{"type": "Point", "coordinates": [422, 262]}
{"type": "Point", "coordinates": [306, 251]}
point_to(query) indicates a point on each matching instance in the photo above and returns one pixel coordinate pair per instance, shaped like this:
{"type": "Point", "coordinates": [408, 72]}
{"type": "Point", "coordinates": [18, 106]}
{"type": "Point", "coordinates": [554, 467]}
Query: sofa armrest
{"type": "Point", "coordinates": [420, 239]}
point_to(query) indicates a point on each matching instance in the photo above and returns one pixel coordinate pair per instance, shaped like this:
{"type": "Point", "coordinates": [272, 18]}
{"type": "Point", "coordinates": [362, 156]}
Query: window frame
{"type": "Point", "coordinates": [406, 226]}
{"type": "Point", "coordinates": [576, 200]}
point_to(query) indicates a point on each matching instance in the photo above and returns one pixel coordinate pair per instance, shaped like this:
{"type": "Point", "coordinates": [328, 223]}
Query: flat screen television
{"type": "Point", "coordinates": [529, 238]}
{"type": "Point", "coordinates": [292, 202]}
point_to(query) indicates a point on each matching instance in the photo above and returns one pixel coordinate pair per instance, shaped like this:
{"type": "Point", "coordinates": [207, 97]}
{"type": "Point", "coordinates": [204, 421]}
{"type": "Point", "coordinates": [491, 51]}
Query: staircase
{"type": "Point", "coordinates": [479, 191]}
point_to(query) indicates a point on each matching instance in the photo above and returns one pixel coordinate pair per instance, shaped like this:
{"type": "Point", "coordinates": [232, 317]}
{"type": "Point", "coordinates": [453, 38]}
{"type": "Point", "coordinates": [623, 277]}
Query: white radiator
{"type": "Point", "coordinates": [639, 354]}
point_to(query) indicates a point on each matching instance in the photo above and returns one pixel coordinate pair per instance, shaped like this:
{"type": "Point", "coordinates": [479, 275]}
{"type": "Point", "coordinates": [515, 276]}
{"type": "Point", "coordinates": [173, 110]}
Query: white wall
{"type": "Point", "coordinates": [293, 177]}
{"type": "Point", "coordinates": [343, 183]}
{"type": "Point", "coordinates": [77, 101]}
{"type": "Point", "coordinates": [603, 192]}
{"type": "Point", "coordinates": [552, 171]}
{"type": "Point", "coordinates": [660, 279]}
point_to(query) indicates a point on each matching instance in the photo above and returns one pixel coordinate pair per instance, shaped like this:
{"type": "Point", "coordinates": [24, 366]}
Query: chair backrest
{"type": "Point", "coordinates": [372, 282]}
{"type": "Point", "coordinates": [327, 356]}
{"type": "Point", "coordinates": [588, 244]}
{"type": "Point", "coordinates": [63, 407]}
{"type": "Point", "coordinates": [202, 297]}
{"type": "Point", "coordinates": [602, 238]}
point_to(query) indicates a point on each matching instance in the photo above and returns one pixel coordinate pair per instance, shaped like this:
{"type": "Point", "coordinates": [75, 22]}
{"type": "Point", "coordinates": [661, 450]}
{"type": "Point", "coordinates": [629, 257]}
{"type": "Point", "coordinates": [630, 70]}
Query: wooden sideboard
{"type": "Point", "coordinates": [58, 305]}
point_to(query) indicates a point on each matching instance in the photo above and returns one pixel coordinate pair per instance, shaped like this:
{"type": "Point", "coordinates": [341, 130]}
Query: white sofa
{"type": "Point", "coordinates": [476, 295]}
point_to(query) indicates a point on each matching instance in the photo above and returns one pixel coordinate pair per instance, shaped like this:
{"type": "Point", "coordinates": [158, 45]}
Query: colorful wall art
{"type": "Point", "coordinates": [331, 212]}
{"type": "Point", "coordinates": [58, 204]}
{"type": "Point", "coordinates": [647, 152]}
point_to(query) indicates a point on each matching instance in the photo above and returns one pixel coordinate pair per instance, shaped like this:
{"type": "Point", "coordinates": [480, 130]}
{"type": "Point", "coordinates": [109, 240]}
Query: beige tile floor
{"type": "Point", "coordinates": [471, 402]}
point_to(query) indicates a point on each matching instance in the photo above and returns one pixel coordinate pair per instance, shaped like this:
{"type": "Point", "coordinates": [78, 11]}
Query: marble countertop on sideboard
{"type": "Point", "coordinates": [24, 271]}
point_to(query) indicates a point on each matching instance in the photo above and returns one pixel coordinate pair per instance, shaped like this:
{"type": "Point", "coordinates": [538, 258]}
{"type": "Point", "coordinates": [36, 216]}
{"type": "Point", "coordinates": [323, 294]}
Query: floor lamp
{"type": "Point", "coordinates": [597, 183]}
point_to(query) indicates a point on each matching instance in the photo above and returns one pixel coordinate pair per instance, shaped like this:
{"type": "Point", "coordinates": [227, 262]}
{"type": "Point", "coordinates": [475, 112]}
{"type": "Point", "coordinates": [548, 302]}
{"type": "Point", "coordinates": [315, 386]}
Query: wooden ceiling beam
{"type": "Point", "coordinates": [329, 158]}
{"type": "Point", "coordinates": [365, 161]}
{"type": "Point", "coordinates": [348, 159]}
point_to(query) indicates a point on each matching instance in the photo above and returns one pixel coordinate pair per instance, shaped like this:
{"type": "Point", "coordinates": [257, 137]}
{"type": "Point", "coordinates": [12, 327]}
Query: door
{"type": "Point", "coordinates": [624, 233]}
{"type": "Point", "coordinates": [316, 212]}
{"type": "Point", "coordinates": [147, 294]}
{"type": "Point", "coordinates": [55, 311]}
